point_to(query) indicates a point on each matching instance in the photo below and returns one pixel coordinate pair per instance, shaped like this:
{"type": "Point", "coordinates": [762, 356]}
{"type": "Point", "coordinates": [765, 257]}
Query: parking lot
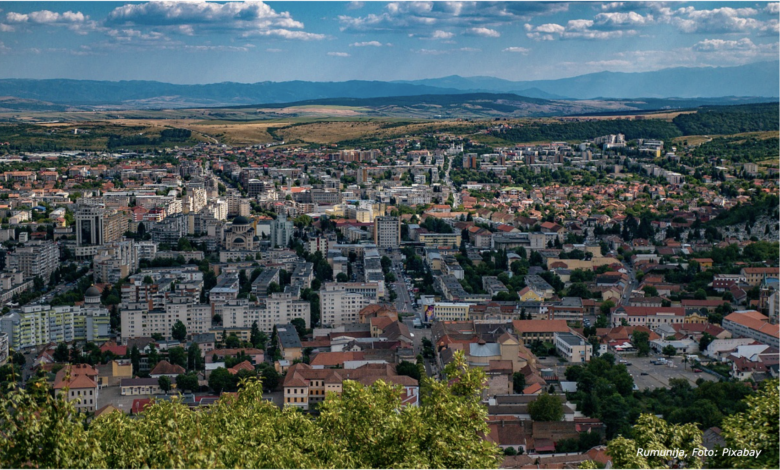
{"type": "Point", "coordinates": [659, 375]}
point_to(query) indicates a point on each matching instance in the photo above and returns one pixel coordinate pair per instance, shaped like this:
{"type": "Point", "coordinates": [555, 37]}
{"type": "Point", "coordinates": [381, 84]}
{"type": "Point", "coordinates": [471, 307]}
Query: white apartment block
{"type": "Point", "coordinates": [38, 258]}
{"type": "Point", "coordinates": [37, 325]}
{"type": "Point", "coordinates": [279, 308]}
{"type": "Point", "coordinates": [387, 232]}
{"type": "Point", "coordinates": [340, 303]}
{"type": "Point", "coordinates": [137, 320]}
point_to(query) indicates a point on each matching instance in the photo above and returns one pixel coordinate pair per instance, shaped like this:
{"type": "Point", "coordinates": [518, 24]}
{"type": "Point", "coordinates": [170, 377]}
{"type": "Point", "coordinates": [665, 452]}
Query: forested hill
{"type": "Point", "coordinates": [709, 120]}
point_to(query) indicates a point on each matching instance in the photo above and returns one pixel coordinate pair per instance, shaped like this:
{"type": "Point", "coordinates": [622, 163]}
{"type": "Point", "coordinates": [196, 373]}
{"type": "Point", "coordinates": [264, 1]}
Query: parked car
{"type": "Point", "coordinates": [643, 373]}
{"type": "Point", "coordinates": [697, 370]}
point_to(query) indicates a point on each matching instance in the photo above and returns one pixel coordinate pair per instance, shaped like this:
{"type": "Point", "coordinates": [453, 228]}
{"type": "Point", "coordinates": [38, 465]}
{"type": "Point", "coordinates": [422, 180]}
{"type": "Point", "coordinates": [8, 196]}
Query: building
{"type": "Point", "coordinates": [80, 380]}
{"type": "Point", "coordinates": [434, 240]}
{"type": "Point", "coordinates": [304, 385]}
{"type": "Point", "coordinates": [572, 347]}
{"type": "Point", "coordinates": [529, 331]}
{"type": "Point", "coordinates": [387, 232]}
{"type": "Point", "coordinates": [341, 303]}
{"type": "Point", "coordinates": [288, 342]}
{"type": "Point", "coordinates": [89, 225]}
{"type": "Point", "coordinates": [240, 236]}
{"type": "Point", "coordinates": [37, 258]}
{"type": "Point", "coordinates": [651, 317]}
{"type": "Point", "coordinates": [318, 244]}
{"type": "Point", "coordinates": [755, 276]}
{"type": "Point", "coordinates": [752, 324]}
{"type": "Point", "coordinates": [3, 348]}
{"type": "Point", "coordinates": [138, 320]}
{"type": "Point", "coordinates": [451, 311]}
{"type": "Point", "coordinates": [281, 232]}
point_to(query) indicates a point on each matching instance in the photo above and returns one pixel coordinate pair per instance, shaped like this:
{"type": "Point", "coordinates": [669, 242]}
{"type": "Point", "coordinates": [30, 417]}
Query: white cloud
{"type": "Point", "coordinates": [621, 19]}
{"type": "Point", "coordinates": [713, 45]}
{"type": "Point", "coordinates": [75, 21]}
{"type": "Point", "coordinates": [772, 8]}
{"type": "Point", "coordinates": [612, 6]}
{"type": "Point", "coordinates": [249, 18]}
{"type": "Point", "coordinates": [517, 50]}
{"type": "Point", "coordinates": [273, 49]}
{"type": "Point", "coordinates": [419, 17]}
{"type": "Point", "coordinates": [439, 34]}
{"type": "Point", "coordinates": [355, 5]}
{"type": "Point", "coordinates": [338, 54]}
{"type": "Point", "coordinates": [719, 20]}
{"type": "Point", "coordinates": [367, 44]}
{"type": "Point", "coordinates": [485, 32]}
{"type": "Point", "coordinates": [469, 49]}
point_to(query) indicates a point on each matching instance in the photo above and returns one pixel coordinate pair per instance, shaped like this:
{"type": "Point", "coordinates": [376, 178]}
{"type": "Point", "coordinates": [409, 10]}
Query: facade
{"type": "Point", "coordinates": [137, 320]}
{"type": "Point", "coordinates": [529, 331]}
{"type": "Point", "coordinates": [36, 325]}
{"type": "Point", "coordinates": [387, 232]}
{"type": "Point", "coordinates": [3, 348]}
{"type": "Point", "coordinates": [651, 317]}
{"type": "Point", "coordinates": [341, 303]}
{"type": "Point", "coordinates": [433, 240]}
{"type": "Point", "coordinates": [89, 225]}
{"type": "Point", "coordinates": [752, 324]}
{"type": "Point", "coordinates": [451, 311]}
{"type": "Point", "coordinates": [36, 258]}
{"type": "Point", "coordinates": [80, 380]}
{"type": "Point", "coordinates": [573, 348]}
{"type": "Point", "coordinates": [281, 232]}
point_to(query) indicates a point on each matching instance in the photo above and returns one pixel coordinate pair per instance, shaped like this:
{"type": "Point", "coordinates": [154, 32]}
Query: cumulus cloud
{"type": "Point", "coordinates": [338, 54]}
{"type": "Point", "coordinates": [714, 45]}
{"type": "Point", "coordinates": [439, 34]}
{"type": "Point", "coordinates": [355, 5]}
{"type": "Point", "coordinates": [772, 8]}
{"type": "Point", "coordinates": [248, 18]}
{"type": "Point", "coordinates": [719, 20]}
{"type": "Point", "coordinates": [485, 32]}
{"type": "Point", "coordinates": [517, 50]}
{"type": "Point", "coordinates": [73, 20]}
{"type": "Point", "coordinates": [574, 29]}
{"type": "Point", "coordinates": [419, 17]}
{"type": "Point", "coordinates": [622, 19]}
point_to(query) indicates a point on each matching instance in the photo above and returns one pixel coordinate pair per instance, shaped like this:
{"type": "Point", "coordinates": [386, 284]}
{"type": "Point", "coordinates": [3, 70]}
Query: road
{"type": "Point", "coordinates": [403, 302]}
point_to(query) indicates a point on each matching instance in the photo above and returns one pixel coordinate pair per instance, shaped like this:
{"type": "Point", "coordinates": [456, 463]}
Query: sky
{"type": "Point", "coordinates": [207, 42]}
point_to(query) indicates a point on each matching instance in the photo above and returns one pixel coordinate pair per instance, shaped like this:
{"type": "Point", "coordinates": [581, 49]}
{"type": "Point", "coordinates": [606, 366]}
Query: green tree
{"type": "Point", "coordinates": [257, 337]}
{"type": "Point", "coordinates": [518, 382]}
{"type": "Point", "coordinates": [754, 429]}
{"type": "Point", "coordinates": [61, 353]}
{"type": "Point", "coordinates": [606, 307]}
{"type": "Point", "coordinates": [269, 376]}
{"type": "Point", "coordinates": [675, 443]}
{"type": "Point", "coordinates": [705, 341]}
{"type": "Point", "coordinates": [179, 331]}
{"type": "Point", "coordinates": [178, 355]}
{"type": "Point", "coordinates": [135, 359]}
{"type": "Point", "coordinates": [409, 369]}
{"type": "Point", "coordinates": [194, 357]}
{"type": "Point", "coordinates": [221, 380]}
{"type": "Point", "coordinates": [165, 383]}
{"type": "Point", "coordinates": [341, 277]}
{"type": "Point", "coordinates": [700, 294]}
{"type": "Point", "coordinates": [187, 382]}
{"type": "Point", "coordinates": [642, 343]}
{"type": "Point", "coordinates": [669, 350]}
{"type": "Point", "coordinates": [546, 408]}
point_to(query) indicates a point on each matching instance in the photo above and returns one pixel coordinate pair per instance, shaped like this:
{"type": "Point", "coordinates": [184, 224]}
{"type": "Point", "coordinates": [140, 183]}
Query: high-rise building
{"type": "Point", "coordinates": [387, 232]}
{"type": "Point", "coordinates": [89, 226]}
{"type": "Point", "coordinates": [281, 232]}
{"type": "Point", "coordinates": [36, 258]}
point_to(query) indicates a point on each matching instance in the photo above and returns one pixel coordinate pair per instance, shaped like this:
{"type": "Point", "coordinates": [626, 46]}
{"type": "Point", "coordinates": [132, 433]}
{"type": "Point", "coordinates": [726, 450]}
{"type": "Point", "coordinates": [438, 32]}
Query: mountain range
{"type": "Point", "coordinates": [753, 80]}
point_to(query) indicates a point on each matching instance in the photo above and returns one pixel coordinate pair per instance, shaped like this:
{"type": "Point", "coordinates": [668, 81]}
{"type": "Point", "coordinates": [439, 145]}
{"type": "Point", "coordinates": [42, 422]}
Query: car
{"type": "Point", "coordinates": [697, 370]}
{"type": "Point", "coordinates": [628, 364]}
{"type": "Point", "coordinates": [643, 373]}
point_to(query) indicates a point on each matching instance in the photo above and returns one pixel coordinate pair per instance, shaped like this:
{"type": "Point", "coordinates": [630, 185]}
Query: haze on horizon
{"type": "Point", "coordinates": [208, 42]}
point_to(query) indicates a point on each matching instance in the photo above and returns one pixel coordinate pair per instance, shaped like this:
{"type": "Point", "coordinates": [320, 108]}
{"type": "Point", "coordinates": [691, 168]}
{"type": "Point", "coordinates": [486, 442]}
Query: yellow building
{"type": "Point", "coordinates": [529, 295]}
{"type": "Point", "coordinates": [433, 240]}
{"type": "Point", "coordinates": [451, 311]}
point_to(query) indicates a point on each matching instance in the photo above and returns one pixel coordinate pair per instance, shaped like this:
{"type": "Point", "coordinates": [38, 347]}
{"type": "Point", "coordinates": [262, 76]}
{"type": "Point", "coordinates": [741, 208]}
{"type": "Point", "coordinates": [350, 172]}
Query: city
{"type": "Point", "coordinates": [455, 290]}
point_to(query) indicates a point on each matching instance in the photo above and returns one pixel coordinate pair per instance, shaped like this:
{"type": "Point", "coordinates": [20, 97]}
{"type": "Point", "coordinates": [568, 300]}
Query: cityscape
{"type": "Point", "coordinates": [525, 235]}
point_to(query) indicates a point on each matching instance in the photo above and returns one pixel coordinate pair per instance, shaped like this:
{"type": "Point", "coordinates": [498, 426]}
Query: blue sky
{"type": "Point", "coordinates": [206, 42]}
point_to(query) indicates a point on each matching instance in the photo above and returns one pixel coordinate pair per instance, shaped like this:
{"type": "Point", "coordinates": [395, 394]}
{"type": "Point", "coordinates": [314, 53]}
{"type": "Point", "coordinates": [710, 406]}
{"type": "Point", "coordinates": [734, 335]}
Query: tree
{"type": "Point", "coordinates": [409, 369]}
{"type": "Point", "coordinates": [341, 277]}
{"type": "Point", "coordinates": [518, 382]}
{"type": "Point", "coordinates": [705, 341]}
{"type": "Point", "coordinates": [178, 355]}
{"type": "Point", "coordinates": [135, 359]}
{"type": "Point", "coordinates": [546, 408]}
{"type": "Point", "coordinates": [365, 427]}
{"type": "Point", "coordinates": [669, 350]}
{"type": "Point", "coordinates": [700, 294]}
{"type": "Point", "coordinates": [232, 341]}
{"type": "Point", "coordinates": [194, 357]}
{"type": "Point", "coordinates": [642, 343]}
{"type": "Point", "coordinates": [179, 331]}
{"type": "Point", "coordinates": [754, 429]}
{"type": "Point", "coordinates": [300, 326]}
{"type": "Point", "coordinates": [269, 376]}
{"type": "Point", "coordinates": [62, 353]}
{"type": "Point", "coordinates": [187, 382]}
{"type": "Point", "coordinates": [257, 337]}
{"type": "Point", "coordinates": [606, 307]}
{"type": "Point", "coordinates": [221, 380]}
{"type": "Point", "coordinates": [675, 443]}
{"type": "Point", "coordinates": [165, 383]}
{"type": "Point", "coordinates": [602, 321]}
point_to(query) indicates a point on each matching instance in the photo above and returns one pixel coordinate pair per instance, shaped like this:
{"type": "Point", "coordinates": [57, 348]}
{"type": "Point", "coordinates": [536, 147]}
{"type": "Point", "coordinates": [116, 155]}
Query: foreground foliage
{"type": "Point", "coordinates": [363, 428]}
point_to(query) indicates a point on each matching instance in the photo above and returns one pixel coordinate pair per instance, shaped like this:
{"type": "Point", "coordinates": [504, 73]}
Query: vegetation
{"type": "Point", "coordinates": [713, 120]}
{"type": "Point", "coordinates": [365, 427]}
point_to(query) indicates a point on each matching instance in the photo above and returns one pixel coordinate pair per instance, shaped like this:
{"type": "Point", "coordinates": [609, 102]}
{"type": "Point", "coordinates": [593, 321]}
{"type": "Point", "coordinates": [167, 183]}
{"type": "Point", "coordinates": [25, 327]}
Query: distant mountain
{"type": "Point", "coordinates": [150, 94]}
{"type": "Point", "coordinates": [753, 80]}
{"type": "Point", "coordinates": [757, 79]}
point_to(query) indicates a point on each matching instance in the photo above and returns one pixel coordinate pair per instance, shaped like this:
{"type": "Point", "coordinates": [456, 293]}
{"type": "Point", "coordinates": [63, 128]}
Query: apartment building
{"type": "Point", "coordinates": [280, 307]}
{"type": "Point", "coordinates": [4, 347]}
{"type": "Point", "coordinates": [755, 276]}
{"type": "Point", "coordinates": [138, 320]}
{"type": "Point", "coordinates": [529, 331]}
{"type": "Point", "coordinates": [341, 303]}
{"type": "Point", "coordinates": [36, 325]}
{"type": "Point", "coordinates": [281, 232]}
{"type": "Point", "coordinates": [36, 258]}
{"type": "Point", "coordinates": [387, 232]}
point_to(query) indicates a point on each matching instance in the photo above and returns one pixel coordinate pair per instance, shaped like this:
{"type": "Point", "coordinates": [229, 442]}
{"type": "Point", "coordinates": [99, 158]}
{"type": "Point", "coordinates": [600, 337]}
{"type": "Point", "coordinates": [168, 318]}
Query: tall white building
{"type": "Point", "coordinates": [387, 232]}
{"type": "Point", "coordinates": [281, 232]}
{"type": "Point", "coordinates": [340, 303]}
{"type": "Point", "coordinates": [36, 258]}
{"type": "Point", "coordinates": [138, 320]}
